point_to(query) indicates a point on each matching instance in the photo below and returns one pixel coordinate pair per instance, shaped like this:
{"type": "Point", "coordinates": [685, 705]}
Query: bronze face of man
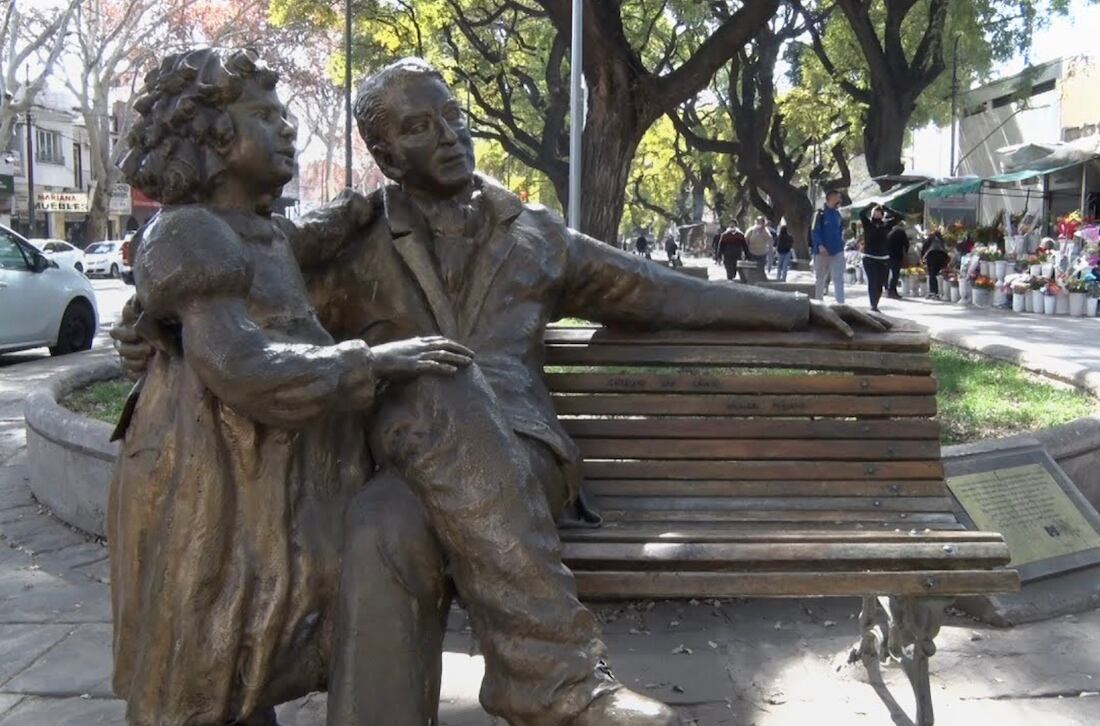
{"type": "Point", "coordinates": [419, 137]}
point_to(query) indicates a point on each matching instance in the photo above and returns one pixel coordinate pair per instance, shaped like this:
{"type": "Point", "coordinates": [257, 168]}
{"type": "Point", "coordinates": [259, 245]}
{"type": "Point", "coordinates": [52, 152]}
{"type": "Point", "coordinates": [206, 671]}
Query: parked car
{"type": "Point", "coordinates": [42, 303]}
{"type": "Point", "coordinates": [105, 258]}
{"type": "Point", "coordinates": [60, 252]}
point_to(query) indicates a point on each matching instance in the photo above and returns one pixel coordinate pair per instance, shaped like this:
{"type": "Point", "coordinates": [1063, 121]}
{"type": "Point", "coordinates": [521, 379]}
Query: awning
{"type": "Point", "coordinates": [886, 197]}
{"type": "Point", "coordinates": [972, 186]}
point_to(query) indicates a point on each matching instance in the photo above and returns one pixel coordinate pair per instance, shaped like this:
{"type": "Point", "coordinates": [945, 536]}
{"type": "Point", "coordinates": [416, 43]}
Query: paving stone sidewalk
{"type": "Point", "coordinates": [769, 663]}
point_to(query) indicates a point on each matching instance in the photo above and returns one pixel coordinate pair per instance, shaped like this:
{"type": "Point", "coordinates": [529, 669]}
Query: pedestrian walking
{"type": "Point", "coordinates": [641, 246]}
{"type": "Point", "coordinates": [784, 250]}
{"type": "Point", "coordinates": [759, 241]}
{"type": "Point", "coordinates": [877, 225]}
{"type": "Point", "coordinates": [731, 248]}
{"type": "Point", "coordinates": [934, 254]}
{"type": "Point", "coordinates": [672, 251]}
{"type": "Point", "coordinates": [897, 243]}
{"type": "Point", "coordinates": [828, 247]}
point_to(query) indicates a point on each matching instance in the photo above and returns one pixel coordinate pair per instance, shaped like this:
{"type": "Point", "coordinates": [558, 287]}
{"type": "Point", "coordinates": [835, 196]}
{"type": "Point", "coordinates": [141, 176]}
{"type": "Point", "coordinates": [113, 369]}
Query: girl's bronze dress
{"type": "Point", "coordinates": [226, 507]}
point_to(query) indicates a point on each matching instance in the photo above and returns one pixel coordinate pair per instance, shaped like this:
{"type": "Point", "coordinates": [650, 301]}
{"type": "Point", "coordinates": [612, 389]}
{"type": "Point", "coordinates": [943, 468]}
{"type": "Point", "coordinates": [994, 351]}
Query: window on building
{"type": "Point", "coordinates": [48, 147]}
{"type": "Point", "coordinates": [78, 167]}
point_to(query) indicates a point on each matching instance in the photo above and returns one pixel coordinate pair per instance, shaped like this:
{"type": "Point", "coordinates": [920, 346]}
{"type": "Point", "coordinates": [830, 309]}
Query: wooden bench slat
{"type": "Point", "coordinates": [683, 404]}
{"type": "Point", "coordinates": [756, 532]}
{"type": "Point", "coordinates": [794, 504]}
{"type": "Point", "coordinates": [757, 470]}
{"type": "Point", "coordinates": [683, 355]}
{"type": "Point", "coordinates": [723, 428]}
{"type": "Point", "coordinates": [759, 449]}
{"type": "Point", "coordinates": [909, 341]}
{"type": "Point", "coordinates": [750, 384]}
{"type": "Point", "coordinates": [779, 516]}
{"type": "Point", "coordinates": [791, 557]}
{"type": "Point", "coordinates": [652, 585]}
{"type": "Point", "coordinates": [793, 488]}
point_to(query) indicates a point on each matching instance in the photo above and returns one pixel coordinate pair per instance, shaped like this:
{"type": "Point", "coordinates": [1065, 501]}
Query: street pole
{"type": "Point", "coordinates": [576, 114]}
{"type": "Point", "coordinates": [347, 93]}
{"type": "Point", "coordinates": [29, 164]}
{"type": "Point", "coordinates": [954, 99]}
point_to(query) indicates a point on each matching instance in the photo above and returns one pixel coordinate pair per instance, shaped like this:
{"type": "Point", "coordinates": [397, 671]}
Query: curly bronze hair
{"type": "Point", "coordinates": [174, 152]}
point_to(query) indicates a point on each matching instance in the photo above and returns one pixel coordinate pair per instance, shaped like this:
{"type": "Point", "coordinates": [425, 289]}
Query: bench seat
{"type": "Point", "coordinates": [763, 464]}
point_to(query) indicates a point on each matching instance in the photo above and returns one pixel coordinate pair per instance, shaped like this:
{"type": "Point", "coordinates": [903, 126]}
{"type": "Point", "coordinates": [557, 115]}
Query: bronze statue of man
{"type": "Point", "coordinates": [475, 467]}
{"type": "Point", "coordinates": [470, 468]}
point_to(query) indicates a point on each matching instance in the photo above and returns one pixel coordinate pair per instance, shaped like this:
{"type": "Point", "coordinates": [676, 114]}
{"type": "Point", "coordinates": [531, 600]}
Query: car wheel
{"type": "Point", "coordinates": [114, 271]}
{"type": "Point", "coordinates": [79, 267]}
{"type": "Point", "coordinates": [77, 329]}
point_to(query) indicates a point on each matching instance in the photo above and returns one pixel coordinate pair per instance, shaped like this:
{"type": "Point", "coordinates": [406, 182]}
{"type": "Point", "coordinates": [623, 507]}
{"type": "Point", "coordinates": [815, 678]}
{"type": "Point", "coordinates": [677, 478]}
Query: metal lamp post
{"type": "Point", "coordinates": [347, 94]}
{"type": "Point", "coordinates": [576, 114]}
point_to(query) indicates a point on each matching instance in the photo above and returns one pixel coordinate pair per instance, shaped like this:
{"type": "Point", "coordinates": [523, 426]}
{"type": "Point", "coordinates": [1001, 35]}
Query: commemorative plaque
{"type": "Point", "coordinates": [1047, 523]}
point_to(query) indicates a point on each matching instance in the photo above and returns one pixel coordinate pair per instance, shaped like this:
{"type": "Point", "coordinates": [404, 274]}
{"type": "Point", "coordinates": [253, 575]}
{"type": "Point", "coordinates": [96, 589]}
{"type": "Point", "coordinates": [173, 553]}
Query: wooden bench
{"type": "Point", "coordinates": [771, 465]}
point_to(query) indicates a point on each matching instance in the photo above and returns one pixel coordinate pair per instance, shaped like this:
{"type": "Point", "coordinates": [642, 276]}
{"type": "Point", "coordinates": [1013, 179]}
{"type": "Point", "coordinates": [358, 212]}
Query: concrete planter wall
{"type": "Point", "coordinates": [70, 456]}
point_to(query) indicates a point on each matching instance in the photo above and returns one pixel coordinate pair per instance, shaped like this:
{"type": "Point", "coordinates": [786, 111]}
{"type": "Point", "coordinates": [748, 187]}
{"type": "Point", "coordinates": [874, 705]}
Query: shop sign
{"type": "Point", "coordinates": [62, 202]}
{"type": "Point", "coordinates": [120, 203]}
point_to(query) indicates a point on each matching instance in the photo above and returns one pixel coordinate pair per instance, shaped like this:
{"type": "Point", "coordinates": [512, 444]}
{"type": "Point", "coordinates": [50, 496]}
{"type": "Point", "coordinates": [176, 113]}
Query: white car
{"type": "Point", "coordinates": [42, 303]}
{"type": "Point", "coordinates": [60, 252]}
{"type": "Point", "coordinates": [105, 258]}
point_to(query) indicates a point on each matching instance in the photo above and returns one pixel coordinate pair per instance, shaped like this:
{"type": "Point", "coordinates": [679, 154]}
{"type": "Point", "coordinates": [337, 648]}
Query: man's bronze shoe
{"type": "Point", "coordinates": [624, 707]}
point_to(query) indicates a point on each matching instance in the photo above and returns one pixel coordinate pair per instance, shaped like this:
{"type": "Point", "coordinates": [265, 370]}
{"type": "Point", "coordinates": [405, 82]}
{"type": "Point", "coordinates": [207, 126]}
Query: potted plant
{"type": "Point", "coordinates": [1037, 284]}
{"type": "Point", "coordinates": [1050, 297]}
{"type": "Point", "coordinates": [1078, 294]}
{"type": "Point", "coordinates": [1035, 265]}
{"type": "Point", "coordinates": [983, 290]}
{"type": "Point", "coordinates": [1093, 293]}
{"type": "Point", "coordinates": [906, 283]}
{"type": "Point", "coordinates": [984, 261]}
{"type": "Point", "coordinates": [1020, 290]}
{"type": "Point", "coordinates": [951, 285]}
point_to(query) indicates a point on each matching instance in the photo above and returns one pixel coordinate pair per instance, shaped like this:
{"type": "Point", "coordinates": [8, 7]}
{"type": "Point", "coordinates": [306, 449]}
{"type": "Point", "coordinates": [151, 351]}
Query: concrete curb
{"type": "Point", "coordinates": [71, 457]}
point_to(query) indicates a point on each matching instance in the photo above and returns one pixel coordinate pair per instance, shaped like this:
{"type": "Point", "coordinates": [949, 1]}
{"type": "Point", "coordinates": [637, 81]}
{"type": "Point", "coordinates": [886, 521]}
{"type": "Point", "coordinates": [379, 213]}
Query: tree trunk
{"type": "Point", "coordinates": [611, 137]}
{"type": "Point", "coordinates": [884, 132]}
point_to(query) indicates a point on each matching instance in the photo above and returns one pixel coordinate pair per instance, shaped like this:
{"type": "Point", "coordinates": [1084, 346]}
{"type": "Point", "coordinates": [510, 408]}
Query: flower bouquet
{"type": "Point", "coordinates": [1092, 290]}
{"type": "Point", "coordinates": [1078, 294]}
{"type": "Point", "coordinates": [1019, 289]}
{"type": "Point", "coordinates": [983, 287]}
{"type": "Point", "coordinates": [1051, 291]}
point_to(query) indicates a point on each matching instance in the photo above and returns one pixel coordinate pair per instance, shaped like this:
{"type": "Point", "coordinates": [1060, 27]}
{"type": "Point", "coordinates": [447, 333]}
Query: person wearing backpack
{"type": "Point", "coordinates": [828, 247]}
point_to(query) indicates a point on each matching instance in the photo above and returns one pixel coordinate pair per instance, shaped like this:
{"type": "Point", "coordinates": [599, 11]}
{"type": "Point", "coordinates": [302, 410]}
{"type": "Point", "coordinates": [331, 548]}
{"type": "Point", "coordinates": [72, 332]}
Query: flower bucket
{"type": "Point", "coordinates": [953, 291]}
{"type": "Point", "coordinates": [982, 297]}
{"type": "Point", "coordinates": [964, 290]}
{"type": "Point", "coordinates": [1050, 304]}
{"type": "Point", "coordinates": [1090, 306]}
{"type": "Point", "coordinates": [1035, 270]}
{"type": "Point", "coordinates": [906, 287]}
{"type": "Point", "coordinates": [1048, 269]}
{"type": "Point", "coordinates": [1062, 304]}
{"type": "Point", "coordinates": [1019, 302]}
{"type": "Point", "coordinates": [1077, 304]}
{"type": "Point", "coordinates": [1037, 301]}
{"type": "Point", "coordinates": [1000, 297]}
{"type": "Point", "coordinates": [1000, 269]}
{"type": "Point", "coordinates": [983, 267]}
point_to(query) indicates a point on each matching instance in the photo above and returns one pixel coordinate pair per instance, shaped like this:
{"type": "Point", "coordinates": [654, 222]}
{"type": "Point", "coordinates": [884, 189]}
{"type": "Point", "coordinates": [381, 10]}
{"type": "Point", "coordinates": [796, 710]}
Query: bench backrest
{"type": "Point", "coordinates": [754, 429]}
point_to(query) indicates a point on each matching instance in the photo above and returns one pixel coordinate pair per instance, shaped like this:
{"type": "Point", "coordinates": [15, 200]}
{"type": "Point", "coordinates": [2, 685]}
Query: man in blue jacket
{"type": "Point", "coordinates": [828, 247]}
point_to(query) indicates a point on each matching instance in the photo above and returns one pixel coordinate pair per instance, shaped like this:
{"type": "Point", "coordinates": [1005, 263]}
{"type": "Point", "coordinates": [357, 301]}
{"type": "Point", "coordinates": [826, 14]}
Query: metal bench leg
{"type": "Point", "coordinates": [872, 639]}
{"type": "Point", "coordinates": [914, 623]}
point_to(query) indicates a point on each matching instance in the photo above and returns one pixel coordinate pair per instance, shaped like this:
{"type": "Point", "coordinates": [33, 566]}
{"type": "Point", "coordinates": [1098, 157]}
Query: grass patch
{"type": "Point", "coordinates": [102, 400]}
{"type": "Point", "coordinates": [981, 398]}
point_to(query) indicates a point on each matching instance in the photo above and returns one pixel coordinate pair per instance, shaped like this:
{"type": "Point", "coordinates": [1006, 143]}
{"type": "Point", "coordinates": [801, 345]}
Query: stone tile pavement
{"type": "Point", "coordinates": [768, 663]}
